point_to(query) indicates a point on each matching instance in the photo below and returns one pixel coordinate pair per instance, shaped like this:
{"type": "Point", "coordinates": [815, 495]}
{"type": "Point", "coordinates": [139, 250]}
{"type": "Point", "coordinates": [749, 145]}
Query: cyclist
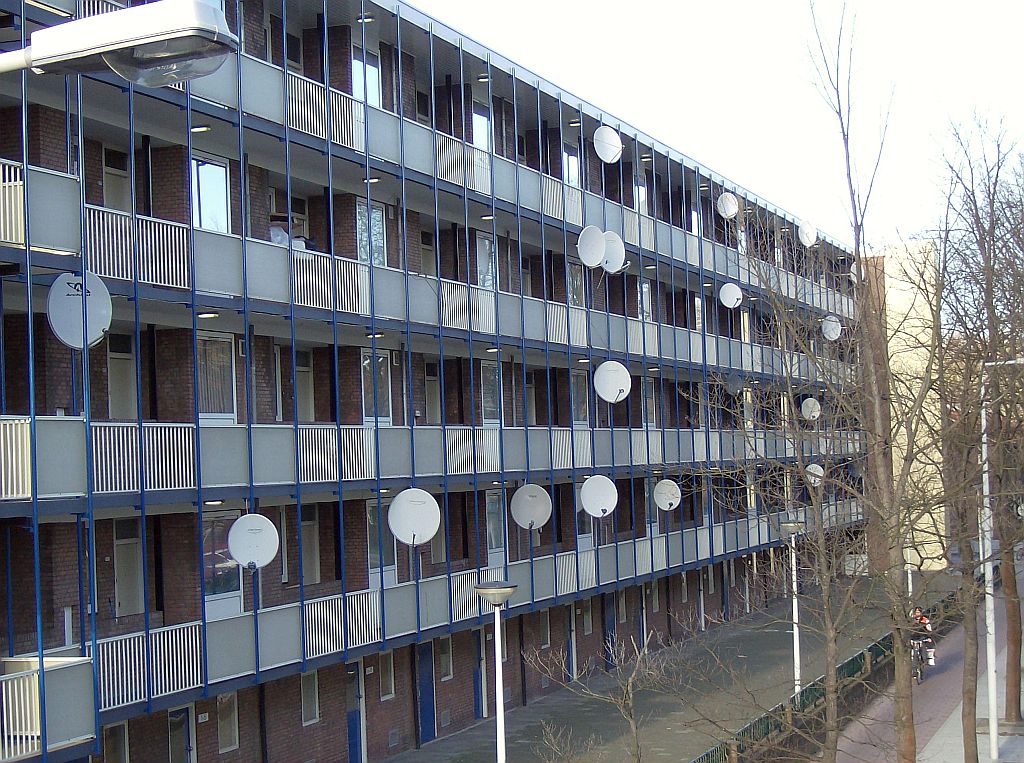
{"type": "Point", "coordinates": [921, 632]}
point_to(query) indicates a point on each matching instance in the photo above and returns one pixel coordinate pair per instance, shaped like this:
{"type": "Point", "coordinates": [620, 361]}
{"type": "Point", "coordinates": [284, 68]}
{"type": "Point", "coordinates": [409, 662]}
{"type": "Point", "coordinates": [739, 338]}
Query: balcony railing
{"type": "Point", "coordinates": [168, 450]}
{"type": "Point", "coordinates": [570, 447]}
{"type": "Point", "coordinates": [163, 248]}
{"type": "Point", "coordinates": [307, 112]}
{"type": "Point", "coordinates": [19, 715]}
{"type": "Point", "coordinates": [319, 452]}
{"type": "Point", "coordinates": [472, 449]}
{"type": "Point", "coordinates": [313, 282]}
{"type": "Point", "coordinates": [460, 163]}
{"type": "Point", "coordinates": [12, 203]}
{"type": "Point", "coordinates": [642, 337]}
{"type": "Point", "coordinates": [463, 306]}
{"type": "Point", "coordinates": [15, 458]}
{"type": "Point", "coordinates": [566, 324]}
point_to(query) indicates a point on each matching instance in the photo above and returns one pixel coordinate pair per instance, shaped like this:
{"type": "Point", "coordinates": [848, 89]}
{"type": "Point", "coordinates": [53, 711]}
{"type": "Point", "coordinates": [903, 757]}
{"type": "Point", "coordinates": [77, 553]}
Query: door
{"type": "Point", "coordinates": [380, 547]}
{"type": "Point", "coordinates": [128, 567]}
{"type": "Point", "coordinates": [425, 690]}
{"type": "Point", "coordinates": [354, 712]}
{"type": "Point", "coordinates": [216, 378]}
{"type": "Point", "coordinates": [531, 401]}
{"type": "Point", "coordinates": [432, 389]}
{"type": "Point", "coordinates": [221, 574]}
{"type": "Point", "coordinates": [304, 384]}
{"type": "Point", "coordinates": [180, 733]}
{"type": "Point", "coordinates": [584, 525]}
{"type": "Point", "coordinates": [116, 190]}
{"type": "Point", "coordinates": [121, 378]}
{"type": "Point", "coordinates": [495, 529]}
{"type": "Point", "coordinates": [479, 676]}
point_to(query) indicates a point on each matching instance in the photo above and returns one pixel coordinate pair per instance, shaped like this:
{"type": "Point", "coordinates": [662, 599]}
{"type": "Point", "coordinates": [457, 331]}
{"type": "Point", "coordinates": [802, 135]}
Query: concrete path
{"type": "Point", "coordinates": [758, 647]}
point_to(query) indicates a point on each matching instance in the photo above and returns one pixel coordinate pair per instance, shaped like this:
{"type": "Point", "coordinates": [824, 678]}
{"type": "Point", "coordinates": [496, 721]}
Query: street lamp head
{"type": "Point", "coordinates": [154, 45]}
{"type": "Point", "coordinates": [496, 592]}
{"type": "Point", "coordinates": [791, 528]}
{"type": "Point", "coordinates": [999, 363]}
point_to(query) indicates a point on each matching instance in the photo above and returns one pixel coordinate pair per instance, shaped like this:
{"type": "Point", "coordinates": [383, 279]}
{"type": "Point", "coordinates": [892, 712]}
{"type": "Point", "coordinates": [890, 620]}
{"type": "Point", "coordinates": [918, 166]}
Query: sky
{"type": "Point", "coordinates": [733, 85]}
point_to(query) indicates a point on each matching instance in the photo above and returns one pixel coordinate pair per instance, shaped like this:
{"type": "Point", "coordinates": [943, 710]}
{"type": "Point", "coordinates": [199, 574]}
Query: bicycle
{"type": "Point", "coordinates": [918, 659]}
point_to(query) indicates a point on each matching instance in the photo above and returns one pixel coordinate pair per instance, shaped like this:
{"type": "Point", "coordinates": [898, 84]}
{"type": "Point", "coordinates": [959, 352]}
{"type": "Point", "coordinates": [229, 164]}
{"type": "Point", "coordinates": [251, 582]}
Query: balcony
{"type": "Point", "coordinates": [16, 462]}
{"type": "Point", "coordinates": [69, 705]}
{"type": "Point", "coordinates": [330, 624]}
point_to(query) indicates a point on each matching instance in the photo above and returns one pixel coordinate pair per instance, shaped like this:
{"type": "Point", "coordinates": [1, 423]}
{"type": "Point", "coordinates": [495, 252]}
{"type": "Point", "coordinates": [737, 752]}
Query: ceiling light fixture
{"type": "Point", "coordinates": [366, 18]}
{"type": "Point", "coordinates": [492, 349]}
{"type": "Point", "coordinates": [196, 129]}
{"type": "Point", "coordinates": [374, 179]}
{"type": "Point", "coordinates": [208, 314]}
{"type": "Point", "coordinates": [575, 122]}
{"type": "Point", "coordinates": [487, 218]}
{"type": "Point", "coordinates": [483, 79]}
{"type": "Point", "coordinates": [583, 360]}
{"type": "Point", "coordinates": [375, 335]}
{"type": "Point", "coordinates": [213, 502]}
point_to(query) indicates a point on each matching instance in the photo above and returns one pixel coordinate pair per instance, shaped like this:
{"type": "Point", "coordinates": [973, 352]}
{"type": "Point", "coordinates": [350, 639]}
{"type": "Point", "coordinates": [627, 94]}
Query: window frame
{"type": "Point", "coordinates": [195, 190]}
{"type": "Point", "coordinates": [360, 83]}
{"type": "Point", "coordinates": [490, 370]}
{"type": "Point", "coordinates": [221, 418]}
{"type": "Point", "coordinates": [545, 628]}
{"type": "Point", "coordinates": [304, 524]}
{"type": "Point", "coordinates": [310, 679]}
{"type": "Point", "coordinates": [383, 356]}
{"type": "Point", "coordinates": [587, 615]}
{"type": "Point", "coordinates": [447, 670]}
{"type": "Point", "coordinates": [221, 748]}
{"type": "Point", "coordinates": [369, 258]}
{"type": "Point", "coordinates": [386, 658]}
{"type": "Point", "coordinates": [123, 726]}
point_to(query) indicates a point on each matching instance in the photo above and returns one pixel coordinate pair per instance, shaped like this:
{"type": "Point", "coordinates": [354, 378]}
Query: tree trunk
{"type": "Point", "coordinates": [830, 747]}
{"type": "Point", "coordinates": [968, 596]}
{"type": "Point", "coordinates": [903, 708]}
{"type": "Point", "coordinates": [1011, 600]}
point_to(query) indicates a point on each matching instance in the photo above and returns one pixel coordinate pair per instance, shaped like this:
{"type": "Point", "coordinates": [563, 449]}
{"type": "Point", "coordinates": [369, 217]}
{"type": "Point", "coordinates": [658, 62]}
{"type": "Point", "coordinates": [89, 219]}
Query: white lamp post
{"type": "Point", "coordinates": [985, 527]}
{"type": "Point", "coordinates": [496, 594]}
{"type": "Point", "coordinates": [154, 44]}
{"type": "Point", "coordinates": [791, 530]}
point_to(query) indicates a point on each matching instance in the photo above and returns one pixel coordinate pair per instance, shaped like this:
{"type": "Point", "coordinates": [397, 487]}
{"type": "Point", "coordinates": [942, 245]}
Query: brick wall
{"type": "Point", "coordinates": [169, 170]}
{"type": "Point", "coordinates": [253, 33]}
{"type": "Point", "coordinates": [287, 739]}
{"type": "Point", "coordinates": [385, 717]}
{"type": "Point", "coordinates": [181, 564]}
{"type": "Point", "coordinates": [47, 136]}
{"type": "Point", "coordinates": [454, 698]}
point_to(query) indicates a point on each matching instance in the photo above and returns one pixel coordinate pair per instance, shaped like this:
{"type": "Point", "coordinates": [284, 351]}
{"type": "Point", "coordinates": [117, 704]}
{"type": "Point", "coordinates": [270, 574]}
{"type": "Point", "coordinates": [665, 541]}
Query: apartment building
{"type": "Point", "coordinates": [343, 265]}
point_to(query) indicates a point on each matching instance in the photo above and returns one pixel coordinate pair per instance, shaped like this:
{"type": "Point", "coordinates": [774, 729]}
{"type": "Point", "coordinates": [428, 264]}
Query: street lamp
{"type": "Point", "coordinates": [985, 527]}
{"type": "Point", "coordinates": [154, 44]}
{"type": "Point", "coordinates": [496, 593]}
{"type": "Point", "coordinates": [791, 529]}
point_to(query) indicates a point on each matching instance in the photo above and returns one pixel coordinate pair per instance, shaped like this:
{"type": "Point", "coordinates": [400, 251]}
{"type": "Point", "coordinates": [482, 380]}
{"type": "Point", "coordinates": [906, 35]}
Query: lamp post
{"type": "Point", "coordinates": [154, 44]}
{"type": "Point", "coordinates": [791, 529]}
{"type": "Point", "coordinates": [985, 528]}
{"type": "Point", "coordinates": [496, 593]}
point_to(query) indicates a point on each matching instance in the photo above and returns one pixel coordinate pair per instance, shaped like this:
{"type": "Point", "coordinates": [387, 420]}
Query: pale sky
{"type": "Point", "coordinates": [732, 85]}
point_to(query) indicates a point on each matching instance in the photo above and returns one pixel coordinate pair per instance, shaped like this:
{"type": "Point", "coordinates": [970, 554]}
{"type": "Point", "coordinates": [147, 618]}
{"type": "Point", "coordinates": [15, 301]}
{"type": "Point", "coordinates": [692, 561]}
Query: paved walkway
{"type": "Point", "coordinates": [759, 646]}
{"type": "Point", "coordinates": [937, 709]}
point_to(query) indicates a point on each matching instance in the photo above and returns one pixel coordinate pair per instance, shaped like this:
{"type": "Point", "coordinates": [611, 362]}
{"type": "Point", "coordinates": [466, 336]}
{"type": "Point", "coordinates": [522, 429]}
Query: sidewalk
{"type": "Point", "coordinates": [671, 730]}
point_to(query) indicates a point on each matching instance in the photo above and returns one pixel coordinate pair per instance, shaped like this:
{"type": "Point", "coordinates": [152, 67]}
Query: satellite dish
{"type": "Point", "coordinates": [598, 496]}
{"type": "Point", "coordinates": [734, 384]}
{"type": "Point", "coordinates": [614, 252]}
{"type": "Point", "coordinates": [667, 495]}
{"type": "Point", "coordinates": [808, 234]}
{"type": "Point", "coordinates": [831, 328]}
{"type": "Point", "coordinates": [253, 541]}
{"type": "Point", "coordinates": [591, 246]}
{"type": "Point", "coordinates": [728, 205]}
{"type": "Point", "coordinates": [854, 274]}
{"type": "Point", "coordinates": [612, 381]}
{"type": "Point", "coordinates": [814, 474]}
{"type": "Point", "coordinates": [64, 309]}
{"type": "Point", "coordinates": [810, 409]}
{"type": "Point", "coordinates": [531, 506]}
{"type": "Point", "coordinates": [607, 144]}
{"type": "Point", "coordinates": [414, 516]}
{"type": "Point", "coordinates": [730, 295]}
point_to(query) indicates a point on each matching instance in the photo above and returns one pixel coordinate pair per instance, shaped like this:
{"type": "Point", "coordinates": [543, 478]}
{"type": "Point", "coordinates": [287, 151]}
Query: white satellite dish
{"type": "Point", "coordinates": [598, 496]}
{"type": "Point", "coordinates": [414, 516]}
{"type": "Point", "coordinates": [607, 144]}
{"type": "Point", "coordinates": [831, 328]}
{"type": "Point", "coordinates": [854, 274]}
{"type": "Point", "coordinates": [614, 252]}
{"type": "Point", "coordinates": [667, 495]}
{"type": "Point", "coordinates": [734, 384]}
{"type": "Point", "coordinates": [810, 409]}
{"type": "Point", "coordinates": [531, 506]}
{"type": "Point", "coordinates": [64, 309]}
{"type": "Point", "coordinates": [808, 234]}
{"type": "Point", "coordinates": [253, 541]}
{"type": "Point", "coordinates": [591, 246]}
{"type": "Point", "coordinates": [612, 381]}
{"type": "Point", "coordinates": [730, 295]}
{"type": "Point", "coordinates": [728, 205]}
{"type": "Point", "coordinates": [814, 473]}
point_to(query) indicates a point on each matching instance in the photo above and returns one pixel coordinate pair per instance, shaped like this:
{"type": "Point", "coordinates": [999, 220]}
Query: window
{"type": "Point", "coordinates": [686, 588]}
{"type": "Point", "coordinates": [210, 194]}
{"type": "Point", "coordinates": [545, 628]}
{"type": "Point", "coordinates": [116, 188]}
{"type": "Point", "coordinates": [310, 698]}
{"type": "Point", "coordinates": [571, 165]}
{"type": "Point", "coordinates": [490, 392]}
{"type": "Point", "coordinates": [481, 126]}
{"type": "Point", "coordinates": [115, 743]}
{"type": "Point", "coordinates": [282, 531]}
{"type": "Point", "coordinates": [383, 384]}
{"type": "Point", "coordinates": [577, 285]}
{"type": "Point", "coordinates": [371, 232]}
{"type": "Point", "coordinates": [227, 722]}
{"type": "Point", "coordinates": [221, 573]}
{"type": "Point", "coordinates": [310, 545]}
{"type": "Point", "coordinates": [651, 401]}
{"type": "Point", "coordinates": [376, 538]}
{"type": "Point", "coordinates": [655, 597]}
{"type": "Point", "coordinates": [580, 398]}
{"type": "Point", "coordinates": [486, 262]}
{"type": "Point", "coordinates": [216, 378]}
{"type": "Point", "coordinates": [128, 566]}
{"type": "Point", "coordinates": [293, 45]}
{"type": "Point", "coordinates": [445, 663]}
{"type": "Point", "coordinates": [504, 642]}
{"type": "Point", "coordinates": [495, 525]}
{"type": "Point", "coordinates": [644, 291]}
{"type": "Point", "coordinates": [620, 605]}
{"type": "Point", "coordinates": [386, 669]}
{"type": "Point", "coordinates": [711, 578]}
{"type": "Point", "coordinates": [438, 548]}
{"type": "Point", "coordinates": [587, 612]}
{"type": "Point", "coordinates": [366, 77]}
